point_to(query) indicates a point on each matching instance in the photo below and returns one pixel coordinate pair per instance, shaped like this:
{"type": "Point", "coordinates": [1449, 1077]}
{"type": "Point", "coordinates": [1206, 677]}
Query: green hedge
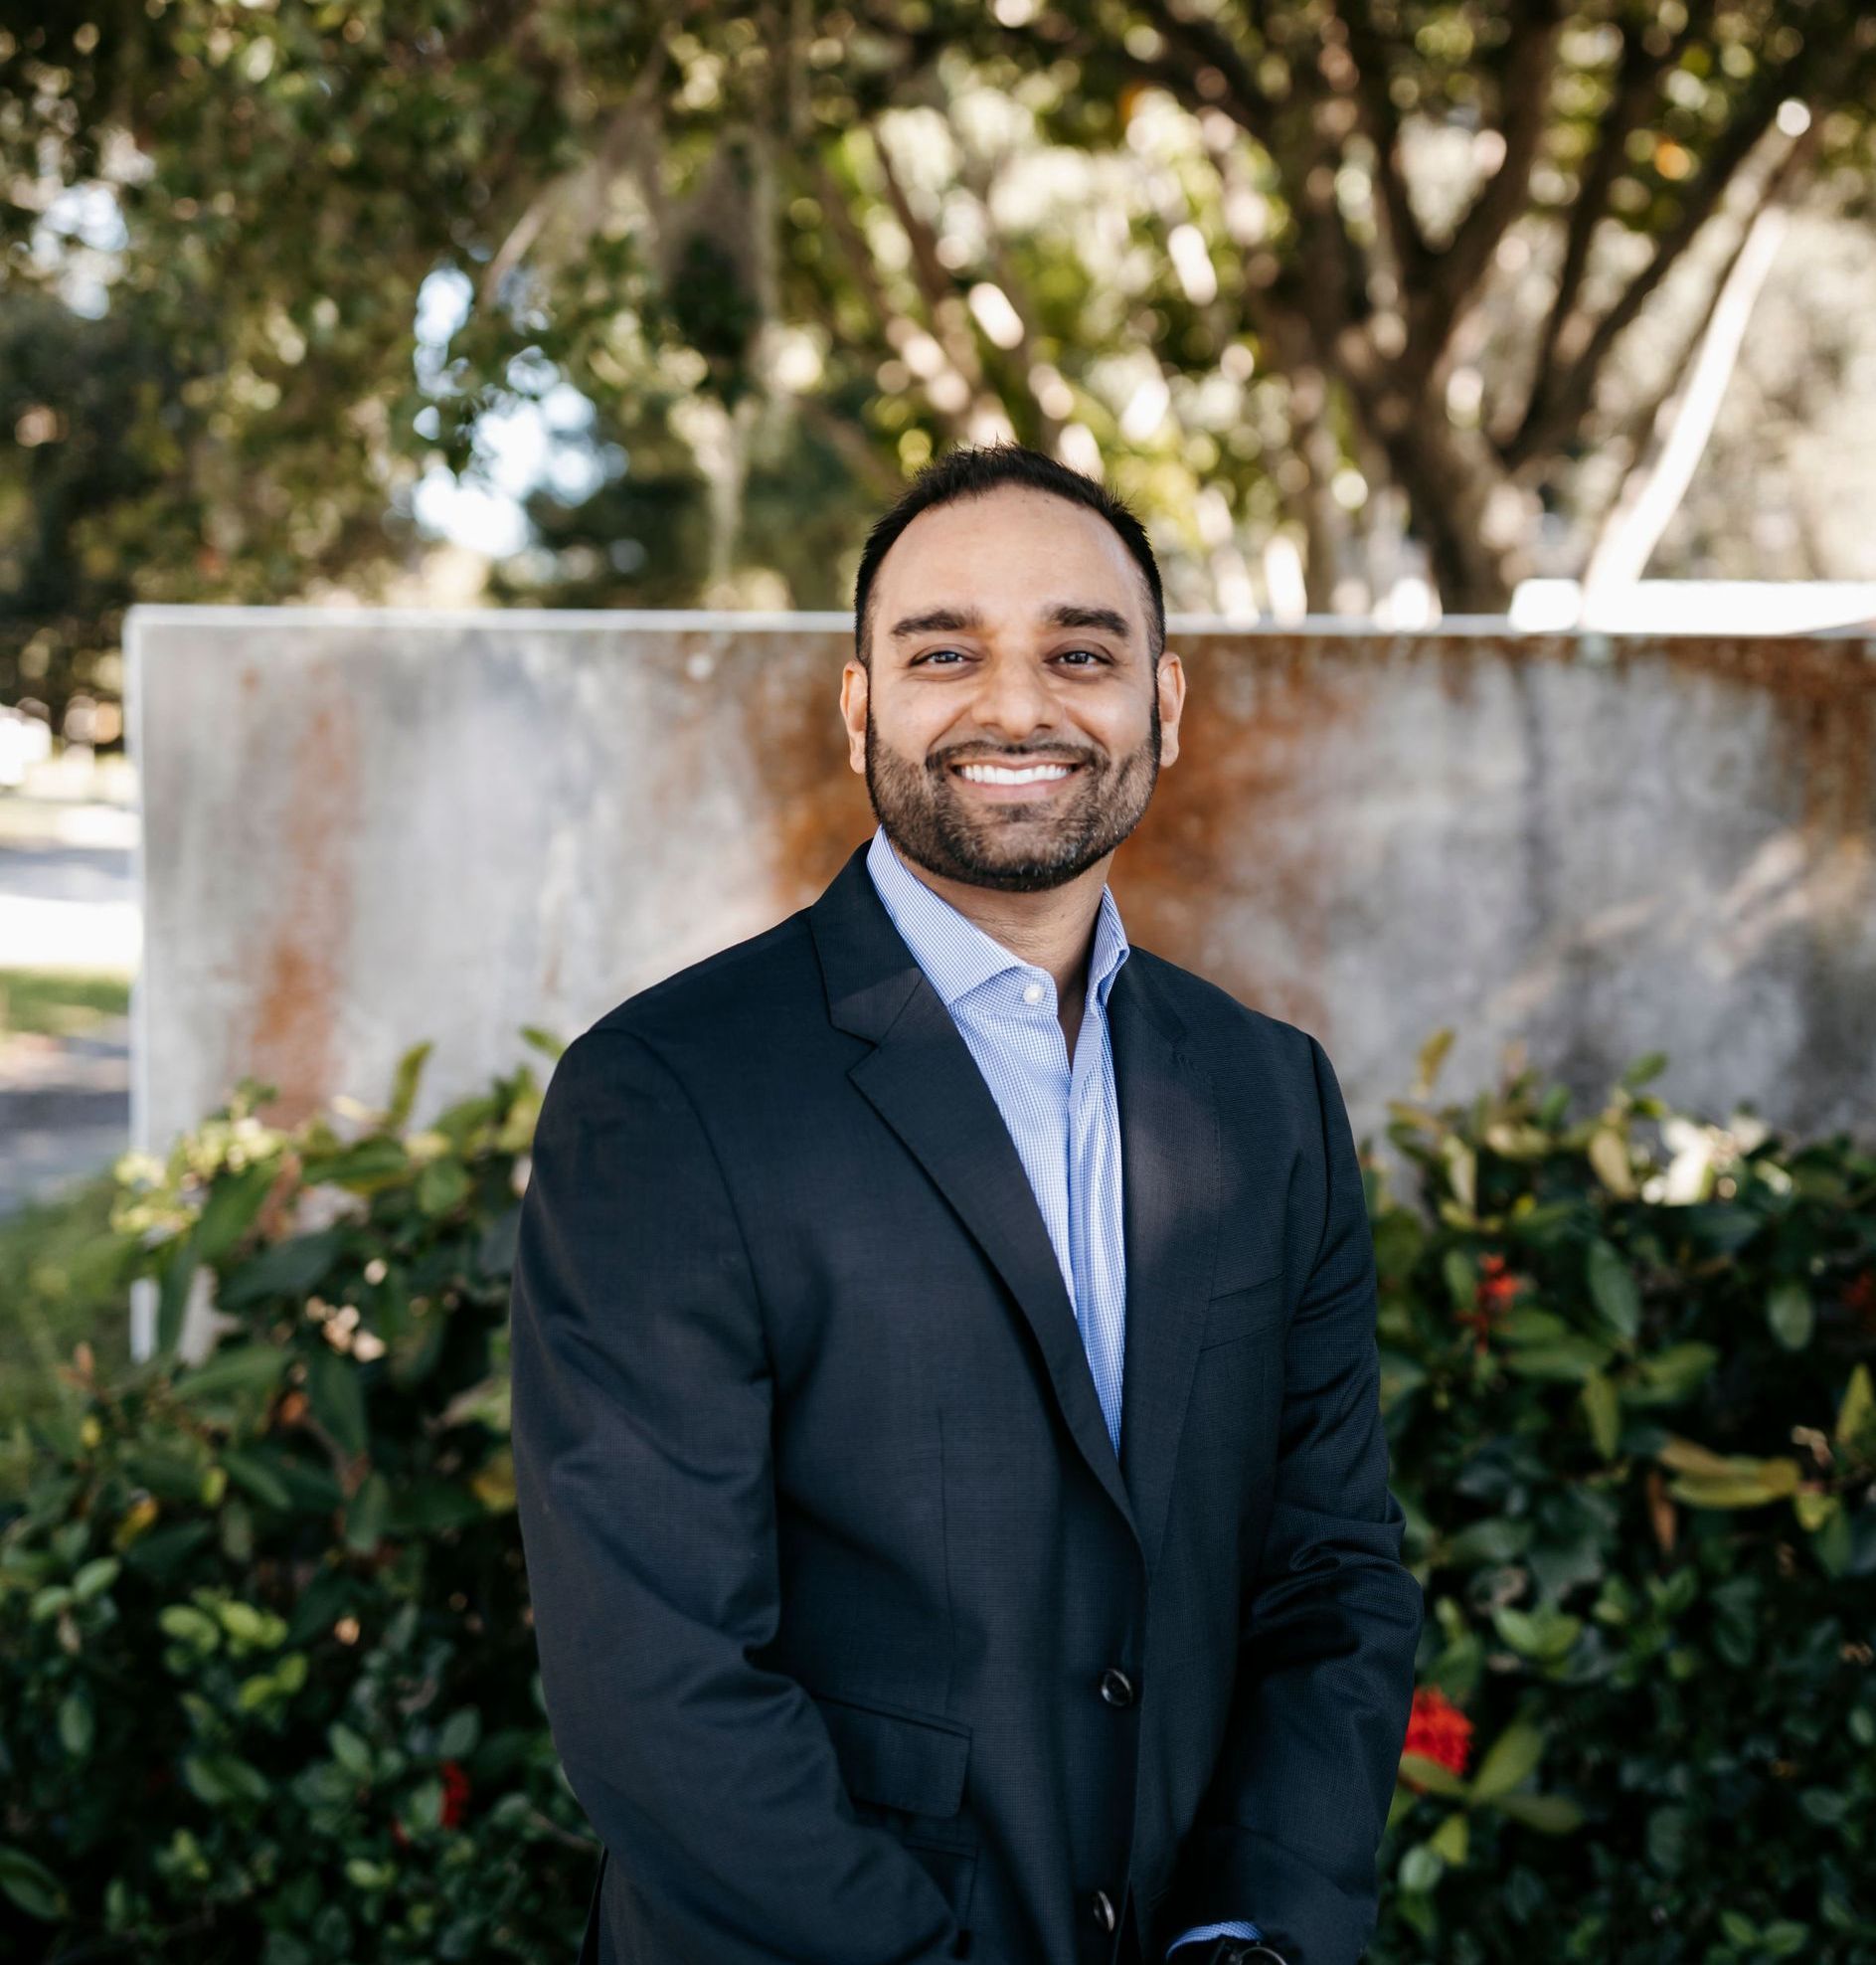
{"type": "Point", "coordinates": [268, 1688]}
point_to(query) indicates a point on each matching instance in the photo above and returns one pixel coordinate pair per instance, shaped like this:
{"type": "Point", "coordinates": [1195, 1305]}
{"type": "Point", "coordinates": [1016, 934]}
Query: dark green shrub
{"type": "Point", "coordinates": [267, 1689]}
{"type": "Point", "coordinates": [1629, 1404]}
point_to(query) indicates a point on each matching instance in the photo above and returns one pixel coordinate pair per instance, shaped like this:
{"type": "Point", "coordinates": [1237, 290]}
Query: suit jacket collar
{"type": "Point", "coordinates": [922, 1080]}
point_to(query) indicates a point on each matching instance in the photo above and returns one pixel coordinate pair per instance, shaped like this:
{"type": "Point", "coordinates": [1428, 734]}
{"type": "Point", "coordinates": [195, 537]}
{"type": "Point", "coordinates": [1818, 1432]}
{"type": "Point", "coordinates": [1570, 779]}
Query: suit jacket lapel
{"type": "Point", "coordinates": [924, 1082]}
{"type": "Point", "coordinates": [1170, 1188]}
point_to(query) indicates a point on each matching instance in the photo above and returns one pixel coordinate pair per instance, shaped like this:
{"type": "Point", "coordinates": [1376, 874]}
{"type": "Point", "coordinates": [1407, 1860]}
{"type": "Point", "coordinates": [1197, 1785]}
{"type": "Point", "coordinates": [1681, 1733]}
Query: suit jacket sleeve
{"type": "Point", "coordinates": [642, 1399]}
{"type": "Point", "coordinates": [1294, 1815]}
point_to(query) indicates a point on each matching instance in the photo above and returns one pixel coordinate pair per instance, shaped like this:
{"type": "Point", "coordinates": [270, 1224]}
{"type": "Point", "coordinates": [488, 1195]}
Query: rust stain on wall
{"type": "Point", "coordinates": [1229, 831]}
{"type": "Point", "coordinates": [1231, 870]}
{"type": "Point", "coordinates": [291, 1039]}
{"type": "Point", "coordinates": [816, 803]}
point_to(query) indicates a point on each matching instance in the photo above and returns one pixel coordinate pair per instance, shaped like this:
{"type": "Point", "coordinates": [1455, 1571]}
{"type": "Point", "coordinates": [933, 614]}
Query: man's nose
{"type": "Point", "coordinates": [1014, 699]}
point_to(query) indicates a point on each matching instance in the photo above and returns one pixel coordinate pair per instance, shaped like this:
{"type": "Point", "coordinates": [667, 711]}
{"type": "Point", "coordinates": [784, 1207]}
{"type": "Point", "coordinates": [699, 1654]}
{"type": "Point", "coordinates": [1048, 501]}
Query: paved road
{"type": "Point", "coordinates": [68, 900]}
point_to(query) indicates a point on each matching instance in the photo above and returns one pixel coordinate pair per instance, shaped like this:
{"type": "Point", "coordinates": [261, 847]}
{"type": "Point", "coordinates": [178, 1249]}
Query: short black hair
{"type": "Point", "coordinates": [968, 472]}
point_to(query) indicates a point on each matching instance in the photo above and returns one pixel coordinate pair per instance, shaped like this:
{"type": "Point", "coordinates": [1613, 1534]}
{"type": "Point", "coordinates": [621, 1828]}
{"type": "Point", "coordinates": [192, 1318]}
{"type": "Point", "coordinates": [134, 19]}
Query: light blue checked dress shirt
{"type": "Point", "coordinates": [1064, 1117]}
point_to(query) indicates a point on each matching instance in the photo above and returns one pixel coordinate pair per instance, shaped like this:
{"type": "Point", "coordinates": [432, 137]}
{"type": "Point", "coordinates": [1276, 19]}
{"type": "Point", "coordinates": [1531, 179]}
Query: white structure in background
{"type": "Point", "coordinates": [24, 742]}
{"type": "Point", "coordinates": [1699, 607]}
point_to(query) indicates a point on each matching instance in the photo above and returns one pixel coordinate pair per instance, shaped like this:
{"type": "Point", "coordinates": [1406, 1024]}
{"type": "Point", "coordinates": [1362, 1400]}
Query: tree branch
{"type": "Point", "coordinates": [1637, 77]}
{"type": "Point", "coordinates": [1681, 413]}
{"type": "Point", "coordinates": [1381, 123]}
{"type": "Point", "coordinates": [1559, 402]}
{"type": "Point", "coordinates": [1458, 271]}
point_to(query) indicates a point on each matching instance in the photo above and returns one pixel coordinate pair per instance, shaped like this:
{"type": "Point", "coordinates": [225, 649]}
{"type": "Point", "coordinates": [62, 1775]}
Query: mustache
{"type": "Point", "coordinates": [943, 759]}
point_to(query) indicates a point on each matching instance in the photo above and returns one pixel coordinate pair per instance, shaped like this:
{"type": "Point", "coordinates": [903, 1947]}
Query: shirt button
{"type": "Point", "coordinates": [1103, 1908]}
{"type": "Point", "coordinates": [1033, 995]}
{"type": "Point", "coordinates": [1115, 1687]}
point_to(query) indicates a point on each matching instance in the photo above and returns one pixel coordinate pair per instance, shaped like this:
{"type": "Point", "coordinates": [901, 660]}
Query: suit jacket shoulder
{"type": "Point", "coordinates": [740, 997]}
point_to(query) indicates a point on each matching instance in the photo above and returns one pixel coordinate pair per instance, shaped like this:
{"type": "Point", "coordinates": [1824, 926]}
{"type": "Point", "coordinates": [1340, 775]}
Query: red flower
{"type": "Point", "coordinates": [1859, 1294]}
{"type": "Point", "coordinates": [455, 1800]}
{"type": "Point", "coordinates": [1491, 1297]}
{"type": "Point", "coordinates": [1439, 1731]}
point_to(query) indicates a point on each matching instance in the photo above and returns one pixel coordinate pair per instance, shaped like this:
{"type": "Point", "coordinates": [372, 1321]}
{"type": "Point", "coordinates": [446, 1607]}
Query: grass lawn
{"type": "Point", "coordinates": [55, 1003]}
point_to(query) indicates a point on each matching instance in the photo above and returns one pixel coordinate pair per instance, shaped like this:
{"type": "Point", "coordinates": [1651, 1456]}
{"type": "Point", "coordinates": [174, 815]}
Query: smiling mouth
{"type": "Point", "coordinates": [1014, 777]}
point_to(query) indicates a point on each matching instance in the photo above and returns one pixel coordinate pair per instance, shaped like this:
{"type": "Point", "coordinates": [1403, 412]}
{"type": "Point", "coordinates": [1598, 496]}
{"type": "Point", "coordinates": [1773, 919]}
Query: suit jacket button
{"type": "Point", "coordinates": [1104, 1910]}
{"type": "Point", "coordinates": [1115, 1687]}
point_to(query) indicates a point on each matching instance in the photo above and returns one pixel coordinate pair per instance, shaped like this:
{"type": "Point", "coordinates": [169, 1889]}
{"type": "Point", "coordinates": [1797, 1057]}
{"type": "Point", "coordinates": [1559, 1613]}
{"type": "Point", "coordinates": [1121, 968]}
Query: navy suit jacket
{"type": "Point", "coordinates": [859, 1643]}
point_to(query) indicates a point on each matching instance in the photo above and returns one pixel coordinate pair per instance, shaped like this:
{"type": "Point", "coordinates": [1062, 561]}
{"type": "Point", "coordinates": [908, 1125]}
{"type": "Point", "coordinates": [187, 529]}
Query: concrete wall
{"type": "Point", "coordinates": [364, 828]}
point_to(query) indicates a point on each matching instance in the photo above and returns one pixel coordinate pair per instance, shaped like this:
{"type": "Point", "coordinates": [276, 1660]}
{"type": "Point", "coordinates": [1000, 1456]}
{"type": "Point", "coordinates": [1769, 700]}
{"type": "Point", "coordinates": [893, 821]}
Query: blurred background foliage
{"type": "Point", "coordinates": [1356, 300]}
{"type": "Point", "coordinates": [274, 1603]}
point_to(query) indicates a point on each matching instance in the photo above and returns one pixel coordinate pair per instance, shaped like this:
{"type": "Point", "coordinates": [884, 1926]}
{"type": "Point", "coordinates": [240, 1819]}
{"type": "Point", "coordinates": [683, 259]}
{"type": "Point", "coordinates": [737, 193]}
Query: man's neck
{"type": "Point", "coordinates": [1053, 928]}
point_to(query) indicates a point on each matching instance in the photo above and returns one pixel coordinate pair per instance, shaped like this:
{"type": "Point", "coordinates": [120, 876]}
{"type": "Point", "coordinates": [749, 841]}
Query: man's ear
{"type": "Point", "coordinates": [1170, 681]}
{"type": "Point", "coordinates": [854, 685]}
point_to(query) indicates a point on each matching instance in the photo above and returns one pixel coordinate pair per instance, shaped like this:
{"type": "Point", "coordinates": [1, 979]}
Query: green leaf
{"type": "Point", "coordinates": [1449, 1841]}
{"type": "Point", "coordinates": [1789, 1314]}
{"type": "Point", "coordinates": [338, 1398]}
{"type": "Point", "coordinates": [1546, 1634]}
{"type": "Point", "coordinates": [1498, 1538]}
{"type": "Point", "coordinates": [1613, 1289]}
{"type": "Point", "coordinates": [1833, 1546]}
{"type": "Point", "coordinates": [369, 1514]}
{"type": "Point", "coordinates": [1650, 1065]}
{"type": "Point", "coordinates": [1431, 1056]}
{"type": "Point", "coordinates": [1853, 1414]}
{"type": "Point", "coordinates": [222, 1778]}
{"type": "Point", "coordinates": [76, 1727]}
{"type": "Point", "coordinates": [442, 1185]}
{"type": "Point", "coordinates": [94, 1578]}
{"type": "Point", "coordinates": [1666, 1378]}
{"type": "Point", "coordinates": [255, 1470]}
{"type": "Point", "coordinates": [172, 1297]}
{"type": "Point", "coordinates": [403, 1084]}
{"type": "Point", "coordinates": [1432, 1776]}
{"type": "Point", "coordinates": [1462, 1278]}
{"type": "Point", "coordinates": [235, 1368]}
{"type": "Point", "coordinates": [1549, 1814]}
{"type": "Point", "coordinates": [1572, 1361]}
{"type": "Point", "coordinates": [1527, 1325]}
{"type": "Point", "coordinates": [1608, 1161]}
{"type": "Point", "coordinates": [1421, 1867]}
{"type": "Point", "coordinates": [1667, 1834]}
{"type": "Point", "coordinates": [349, 1750]}
{"type": "Point", "coordinates": [1601, 1403]}
{"type": "Point", "coordinates": [457, 1736]}
{"type": "Point", "coordinates": [1770, 1480]}
{"type": "Point", "coordinates": [31, 1884]}
{"type": "Point", "coordinates": [229, 1212]}
{"type": "Point", "coordinates": [1513, 1758]}
{"type": "Point", "coordinates": [292, 1268]}
{"type": "Point", "coordinates": [189, 1626]}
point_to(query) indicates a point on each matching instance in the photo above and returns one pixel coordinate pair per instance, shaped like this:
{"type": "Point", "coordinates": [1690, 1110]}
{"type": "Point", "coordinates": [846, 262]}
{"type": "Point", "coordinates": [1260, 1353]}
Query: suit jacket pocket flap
{"type": "Point", "coordinates": [896, 1759]}
{"type": "Point", "coordinates": [1238, 1312]}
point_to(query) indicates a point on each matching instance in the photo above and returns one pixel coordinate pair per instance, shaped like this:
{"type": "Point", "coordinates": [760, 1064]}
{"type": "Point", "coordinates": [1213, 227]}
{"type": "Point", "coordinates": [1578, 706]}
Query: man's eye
{"type": "Point", "coordinates": [932, 654]}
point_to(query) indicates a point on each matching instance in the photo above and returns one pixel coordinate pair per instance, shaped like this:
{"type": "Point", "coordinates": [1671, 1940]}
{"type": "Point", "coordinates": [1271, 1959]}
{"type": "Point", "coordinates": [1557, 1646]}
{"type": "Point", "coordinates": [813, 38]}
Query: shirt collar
{"type": "Point", "coordinates": [955, 953]}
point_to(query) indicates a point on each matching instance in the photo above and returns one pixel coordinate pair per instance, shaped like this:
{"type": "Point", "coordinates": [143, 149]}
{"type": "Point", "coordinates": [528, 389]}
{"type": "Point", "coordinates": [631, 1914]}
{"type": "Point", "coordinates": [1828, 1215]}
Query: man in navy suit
{"type": "Point", "coordinates": [945, 1412]}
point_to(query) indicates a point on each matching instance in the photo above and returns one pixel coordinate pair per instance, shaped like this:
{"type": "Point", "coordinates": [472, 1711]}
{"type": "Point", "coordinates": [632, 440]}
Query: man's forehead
{"type": "Point", "coordinates": [1093, 578]}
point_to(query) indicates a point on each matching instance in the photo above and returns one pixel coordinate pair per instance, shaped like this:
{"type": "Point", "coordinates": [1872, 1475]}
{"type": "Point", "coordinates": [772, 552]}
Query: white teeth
{"type": "Point", "coordinates": [1035, 773]}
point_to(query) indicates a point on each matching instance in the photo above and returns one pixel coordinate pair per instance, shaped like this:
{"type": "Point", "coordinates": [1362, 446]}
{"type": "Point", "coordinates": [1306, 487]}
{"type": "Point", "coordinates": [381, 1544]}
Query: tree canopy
{"type": "Point", "coordinates": [1343, 286]}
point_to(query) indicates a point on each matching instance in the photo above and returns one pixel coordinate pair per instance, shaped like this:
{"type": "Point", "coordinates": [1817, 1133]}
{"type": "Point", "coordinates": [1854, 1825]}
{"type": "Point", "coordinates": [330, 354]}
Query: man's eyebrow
{"type": "Point", "coordinates": [937, 620]}
{"type": "Point", "coordinates": [966, 620]}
